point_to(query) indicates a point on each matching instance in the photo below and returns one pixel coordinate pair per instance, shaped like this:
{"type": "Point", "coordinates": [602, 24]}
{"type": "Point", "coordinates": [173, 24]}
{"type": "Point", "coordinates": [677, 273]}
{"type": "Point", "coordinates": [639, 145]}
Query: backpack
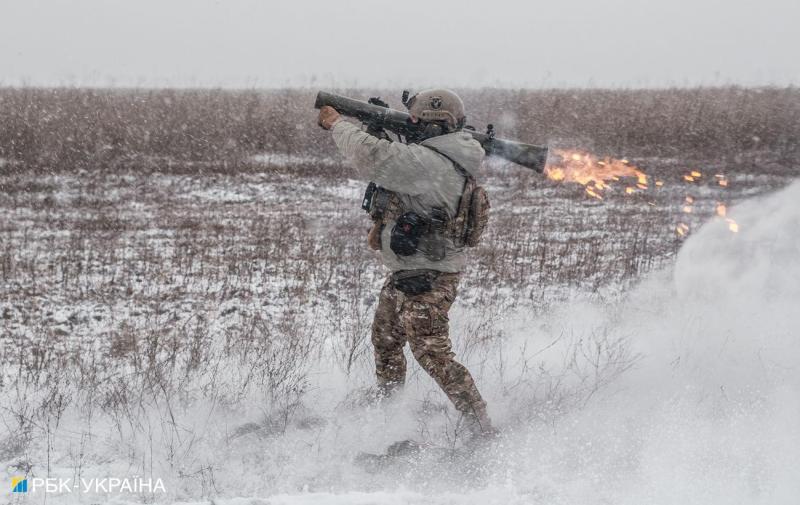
{"type": "Point", "coordinates": [472, 216]}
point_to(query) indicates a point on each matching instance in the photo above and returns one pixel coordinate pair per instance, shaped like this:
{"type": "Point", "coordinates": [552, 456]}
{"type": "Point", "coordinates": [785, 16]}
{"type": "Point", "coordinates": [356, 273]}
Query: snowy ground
{"type": "Point", "coordinates": [147, 318]}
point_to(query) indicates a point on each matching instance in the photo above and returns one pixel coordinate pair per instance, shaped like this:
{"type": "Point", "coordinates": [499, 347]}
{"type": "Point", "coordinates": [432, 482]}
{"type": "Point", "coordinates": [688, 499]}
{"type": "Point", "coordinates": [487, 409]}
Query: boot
{"type": "Point", "coordinates": [480, 426]}
{"type": "Point", "coordinates": [389, 389]}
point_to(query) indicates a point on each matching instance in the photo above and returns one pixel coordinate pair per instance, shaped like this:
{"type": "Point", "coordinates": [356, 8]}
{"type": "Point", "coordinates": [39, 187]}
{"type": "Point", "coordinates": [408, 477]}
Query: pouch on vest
{"type": "Point", "coordinates": [406, 233]}
{"type": "Point", "coordinates": [432, 244]}
{"type": "Point", "coordinates": [478, 217]}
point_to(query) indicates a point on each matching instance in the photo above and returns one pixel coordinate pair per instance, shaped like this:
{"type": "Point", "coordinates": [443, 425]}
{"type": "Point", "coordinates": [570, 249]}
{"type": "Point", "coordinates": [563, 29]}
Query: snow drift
{"type": "Point", "coordinates": [710, 412]}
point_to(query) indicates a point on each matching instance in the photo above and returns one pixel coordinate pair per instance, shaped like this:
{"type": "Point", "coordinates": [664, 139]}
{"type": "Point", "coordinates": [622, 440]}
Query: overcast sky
{"type": "Point", "coordinates": [249, 43]}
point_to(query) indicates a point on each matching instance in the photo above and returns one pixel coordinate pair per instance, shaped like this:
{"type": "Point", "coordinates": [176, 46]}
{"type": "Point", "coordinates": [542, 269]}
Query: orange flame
{"type": "Point", "coordinates": [593, 173]}
{"type": "Point", "coordinates": [597, 175]}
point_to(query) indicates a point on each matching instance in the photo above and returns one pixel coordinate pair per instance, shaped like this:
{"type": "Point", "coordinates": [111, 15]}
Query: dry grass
{"type": "Point", "coordinates": [65, 129]}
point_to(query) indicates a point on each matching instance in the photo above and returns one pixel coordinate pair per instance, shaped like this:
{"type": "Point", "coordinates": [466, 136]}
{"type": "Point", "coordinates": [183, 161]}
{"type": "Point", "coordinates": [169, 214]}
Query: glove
{"type": "Point", "coordinates": [328, 117]}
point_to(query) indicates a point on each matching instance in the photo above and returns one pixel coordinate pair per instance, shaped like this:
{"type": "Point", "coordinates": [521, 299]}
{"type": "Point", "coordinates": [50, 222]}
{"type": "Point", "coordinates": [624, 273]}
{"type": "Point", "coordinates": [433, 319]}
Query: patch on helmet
{"type": "Point", "coordinates": [436, 102]}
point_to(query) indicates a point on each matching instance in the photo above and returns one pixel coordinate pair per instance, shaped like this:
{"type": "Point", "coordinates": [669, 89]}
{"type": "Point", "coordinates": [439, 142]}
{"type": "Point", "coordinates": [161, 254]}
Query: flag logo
{"type": "Point", "coordinates": [19, 485]}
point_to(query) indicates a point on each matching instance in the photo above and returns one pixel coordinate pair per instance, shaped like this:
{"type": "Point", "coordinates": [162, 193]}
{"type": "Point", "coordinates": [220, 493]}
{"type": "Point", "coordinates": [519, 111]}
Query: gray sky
{"type": "Point", "coordinates": [246, 43]}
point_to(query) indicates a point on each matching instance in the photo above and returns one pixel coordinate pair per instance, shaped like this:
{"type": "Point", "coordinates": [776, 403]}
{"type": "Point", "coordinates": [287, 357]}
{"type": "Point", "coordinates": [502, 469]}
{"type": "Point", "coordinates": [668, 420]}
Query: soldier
{"type": "Point", "coordinates": [415, 208]}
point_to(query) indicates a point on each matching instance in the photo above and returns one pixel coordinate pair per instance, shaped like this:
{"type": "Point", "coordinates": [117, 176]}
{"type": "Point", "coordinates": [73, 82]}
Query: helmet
{"type": "Point", "coordinates": [438, 105]}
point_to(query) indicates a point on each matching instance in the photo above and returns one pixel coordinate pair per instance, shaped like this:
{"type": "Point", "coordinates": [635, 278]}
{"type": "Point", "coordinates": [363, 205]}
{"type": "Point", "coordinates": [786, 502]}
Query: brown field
{"type": "Point", "coordinates": [66, 129]}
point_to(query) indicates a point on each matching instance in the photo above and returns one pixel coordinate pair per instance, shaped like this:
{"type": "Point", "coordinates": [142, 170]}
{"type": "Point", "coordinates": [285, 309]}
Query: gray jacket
{"type": "Point", "coordinates": [422, 177]}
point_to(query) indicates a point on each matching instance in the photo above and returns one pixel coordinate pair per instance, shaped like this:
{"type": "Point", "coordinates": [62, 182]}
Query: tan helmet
{"type": "Point", "coordinates": [438, 105]}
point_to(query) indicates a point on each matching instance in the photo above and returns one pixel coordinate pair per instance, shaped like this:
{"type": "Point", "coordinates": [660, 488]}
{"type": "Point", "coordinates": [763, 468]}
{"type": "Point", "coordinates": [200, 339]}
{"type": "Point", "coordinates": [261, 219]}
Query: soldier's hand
{"type": "Point", "coordinates": [328, 117]}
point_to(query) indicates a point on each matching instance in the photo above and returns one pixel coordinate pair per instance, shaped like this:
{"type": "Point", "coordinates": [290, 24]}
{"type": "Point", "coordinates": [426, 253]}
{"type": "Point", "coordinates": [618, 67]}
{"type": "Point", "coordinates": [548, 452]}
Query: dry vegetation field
{"type": "Point", "coordinates": [163, 248]}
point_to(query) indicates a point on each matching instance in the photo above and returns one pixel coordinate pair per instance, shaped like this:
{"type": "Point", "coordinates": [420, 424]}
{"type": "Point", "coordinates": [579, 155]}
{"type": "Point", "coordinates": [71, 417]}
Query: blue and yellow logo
{"type": "Point", "coordinates": [19, 485]}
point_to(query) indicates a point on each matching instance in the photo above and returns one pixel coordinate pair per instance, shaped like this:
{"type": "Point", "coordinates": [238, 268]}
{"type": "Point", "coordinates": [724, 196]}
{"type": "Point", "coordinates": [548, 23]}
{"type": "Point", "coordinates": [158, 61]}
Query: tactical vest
{"type": "Point", "coordinates": [465, 228]}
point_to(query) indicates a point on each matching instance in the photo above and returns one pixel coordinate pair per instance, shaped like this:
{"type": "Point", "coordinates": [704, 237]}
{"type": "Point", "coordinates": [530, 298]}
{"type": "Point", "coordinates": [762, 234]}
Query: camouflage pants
{"type": "Point", "coordinates": [421, 320]}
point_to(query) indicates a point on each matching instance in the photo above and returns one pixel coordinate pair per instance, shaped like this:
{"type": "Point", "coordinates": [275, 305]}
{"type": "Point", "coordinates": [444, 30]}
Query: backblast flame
{"type": "Point", "coordinates": [595, 174]}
